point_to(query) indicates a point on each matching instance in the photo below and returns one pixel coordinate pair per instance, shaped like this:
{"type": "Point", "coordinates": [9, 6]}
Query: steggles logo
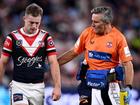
{"type": "Point", "coordinates": [29, 61]}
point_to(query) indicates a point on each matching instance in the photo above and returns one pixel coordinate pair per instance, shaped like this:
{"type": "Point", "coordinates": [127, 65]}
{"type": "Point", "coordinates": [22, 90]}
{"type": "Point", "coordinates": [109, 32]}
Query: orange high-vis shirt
{"type": "Point", "coordinates": [103, 52]}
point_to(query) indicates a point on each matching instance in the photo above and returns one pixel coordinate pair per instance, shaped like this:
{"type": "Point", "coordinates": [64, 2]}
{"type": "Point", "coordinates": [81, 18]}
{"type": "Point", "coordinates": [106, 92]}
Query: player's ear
{"type": "Point", "coordinates": [24, 17]}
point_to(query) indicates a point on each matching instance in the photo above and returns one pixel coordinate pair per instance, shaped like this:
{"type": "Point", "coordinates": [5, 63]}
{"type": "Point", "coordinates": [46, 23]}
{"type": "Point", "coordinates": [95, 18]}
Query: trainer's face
{"type": "Point", "coordinates": [31, 23]}
{"type": "Point", "coordinates": [98, 24]}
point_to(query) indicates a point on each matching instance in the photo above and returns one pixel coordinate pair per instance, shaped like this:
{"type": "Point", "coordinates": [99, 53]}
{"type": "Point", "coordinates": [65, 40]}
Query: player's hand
{"type": "Point", "coordinates": [129, 95]}
{"type": "Point", "coordinates": [56, 94]}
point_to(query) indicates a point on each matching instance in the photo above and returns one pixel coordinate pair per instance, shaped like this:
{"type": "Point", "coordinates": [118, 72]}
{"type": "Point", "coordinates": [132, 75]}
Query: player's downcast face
{"type": "Point", "coordinates": [98, 24]}
{"type": "Point", "coordinates": [31, 23]}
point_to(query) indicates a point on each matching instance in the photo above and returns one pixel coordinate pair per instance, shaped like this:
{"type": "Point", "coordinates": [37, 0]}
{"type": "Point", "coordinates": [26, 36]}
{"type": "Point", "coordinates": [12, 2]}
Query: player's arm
{"type": "Point", "coordinates": [67, 56]}
{"type": "Point", "coordinates": [129, 72]}
{"type": "Point", "coordinates": [3, 61]}
{"type": "Point", "coordinates": [55, 72]}
{"type": "Point", "coordinates": [5, 54]}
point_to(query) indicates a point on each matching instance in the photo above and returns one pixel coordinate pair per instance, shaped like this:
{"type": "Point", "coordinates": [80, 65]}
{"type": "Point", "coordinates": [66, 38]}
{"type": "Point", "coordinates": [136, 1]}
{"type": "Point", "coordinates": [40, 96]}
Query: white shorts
{"type": "Point", "coordinates": [27, 93]}
{"type": "Point", "coordinates": [112, 94]}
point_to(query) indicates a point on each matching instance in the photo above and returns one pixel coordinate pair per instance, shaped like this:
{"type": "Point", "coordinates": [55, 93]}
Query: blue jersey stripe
{"type": "Point", "coordinates": [99, 55]}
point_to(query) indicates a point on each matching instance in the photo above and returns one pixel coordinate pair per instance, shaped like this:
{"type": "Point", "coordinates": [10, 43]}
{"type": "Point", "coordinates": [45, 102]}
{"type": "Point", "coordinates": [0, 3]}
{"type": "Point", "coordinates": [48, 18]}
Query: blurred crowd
{"type": "Point", "coordinates": [64, 20]}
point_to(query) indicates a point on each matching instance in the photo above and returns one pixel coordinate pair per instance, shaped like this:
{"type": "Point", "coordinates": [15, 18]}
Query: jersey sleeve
{"type": "Point", "coordinates": [50, 46]}
{"type": "Point", "coordinates": [124, 52]}
{"type": "Point", "coordinates": [7, 46]}
{"type": "Point", "coordinates": [79, 46]}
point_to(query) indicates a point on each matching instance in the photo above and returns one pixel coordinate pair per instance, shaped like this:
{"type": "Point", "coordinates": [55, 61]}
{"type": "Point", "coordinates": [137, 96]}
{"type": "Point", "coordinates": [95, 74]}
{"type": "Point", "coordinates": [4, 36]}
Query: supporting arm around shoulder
{"type": "Point", "coordinates": [67, 56]}
{"type": "Point", "coordinates": [3, 62]}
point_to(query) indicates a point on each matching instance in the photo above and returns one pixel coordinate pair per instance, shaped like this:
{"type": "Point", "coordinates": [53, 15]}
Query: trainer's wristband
{"type": "Point", "coordinates": [130, 86]}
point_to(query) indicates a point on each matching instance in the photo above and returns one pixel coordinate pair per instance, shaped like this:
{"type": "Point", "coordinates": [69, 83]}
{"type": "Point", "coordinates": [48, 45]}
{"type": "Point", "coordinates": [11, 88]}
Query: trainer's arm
{"type": "Point", "coordinates": [129, 72]}
{"type": "Point", "coordinates": [3, 61]}
{"type": "Point", "coordinates": [55, 72]}
{"type": "Point", "coordinates": [66, 57]}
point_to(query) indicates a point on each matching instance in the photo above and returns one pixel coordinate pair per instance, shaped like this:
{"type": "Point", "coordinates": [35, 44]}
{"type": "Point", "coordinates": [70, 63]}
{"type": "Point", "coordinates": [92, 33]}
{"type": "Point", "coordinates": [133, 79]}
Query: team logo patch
{"type": "Point", "coordinates": [19, 42]}
{"type": "Point", "coordinates": [109, 44]}
{"type": "Point", "coordinates": [127, 51]}
{"type": "Point", "coordinates": [7, 43]}
{"type": "Point", "coordinates": [41, 43]}
{"type": "Point", "coordinates": [50, 43]}
{"type": "Point", "coordinates": [17, 97]}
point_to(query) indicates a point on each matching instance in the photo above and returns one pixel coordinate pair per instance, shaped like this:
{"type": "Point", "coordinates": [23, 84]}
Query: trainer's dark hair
{"type": "Point", "coordinates": [106, 11]}
{"type": "Point", "coordinates": [34, 10]}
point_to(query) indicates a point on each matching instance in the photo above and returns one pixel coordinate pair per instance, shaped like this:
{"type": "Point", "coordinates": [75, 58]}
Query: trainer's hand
{"type": "Point", "coordinates": [56, 94]}
{"type": "Point", "coordinates": [129, 95]}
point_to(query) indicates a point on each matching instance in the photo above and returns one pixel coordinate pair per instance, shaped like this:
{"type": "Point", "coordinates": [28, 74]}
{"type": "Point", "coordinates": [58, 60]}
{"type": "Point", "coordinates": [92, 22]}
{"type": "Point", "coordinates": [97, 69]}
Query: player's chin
{"type": "Point", "coordinates": [32, 31]}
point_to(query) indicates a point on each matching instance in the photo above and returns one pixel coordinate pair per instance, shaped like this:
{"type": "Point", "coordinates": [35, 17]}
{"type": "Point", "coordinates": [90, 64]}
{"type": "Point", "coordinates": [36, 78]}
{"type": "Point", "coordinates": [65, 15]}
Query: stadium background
{"type": "Point", "coordinates": [65, 19]}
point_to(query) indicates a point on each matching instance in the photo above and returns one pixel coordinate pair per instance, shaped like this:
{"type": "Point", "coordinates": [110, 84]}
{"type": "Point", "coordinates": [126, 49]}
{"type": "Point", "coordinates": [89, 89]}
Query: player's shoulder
{"type": "Point", "coordinates": [43, 31]}
{"type": "Point", "coordinates": [14, 31]}
{"type": "Point", "coordinates": [11, 33]}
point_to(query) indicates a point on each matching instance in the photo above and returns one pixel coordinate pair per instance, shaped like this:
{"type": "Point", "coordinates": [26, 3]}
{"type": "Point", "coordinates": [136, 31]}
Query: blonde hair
{"type": "Point", "coordinates": [34, 10]}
